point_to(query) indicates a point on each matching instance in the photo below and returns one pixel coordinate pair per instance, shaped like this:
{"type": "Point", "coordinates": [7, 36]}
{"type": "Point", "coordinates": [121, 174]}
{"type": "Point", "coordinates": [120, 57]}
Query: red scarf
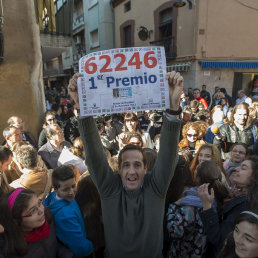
{"type": "Point", "coordinates": [37, 234]}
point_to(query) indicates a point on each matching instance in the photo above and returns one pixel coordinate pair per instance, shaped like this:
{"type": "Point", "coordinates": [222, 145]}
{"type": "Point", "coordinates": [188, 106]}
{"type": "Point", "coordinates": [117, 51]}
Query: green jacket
{"type": "Point", "coordinates": [133, 221]}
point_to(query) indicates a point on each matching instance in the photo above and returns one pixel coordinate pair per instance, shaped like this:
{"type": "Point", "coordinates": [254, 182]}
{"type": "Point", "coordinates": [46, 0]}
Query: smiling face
{"type": "Point", "coordinates": [243, 174]}
{"type": "Point", "coordinates": [238, 154]}
{"type": "Point", "coordinates": [67, 189]}
{"type": "Point", "coordinates": [33, 215]}
{"type": "Point", "coordinates": [191, 135]}
{"type": "Point", "coordinates": [240, 117]}
{"type": "Point", "coordinates": [131, 125]}
{"type": "Point", "coordinates": [132, 169]}
{"type": "Point", "coordinates": [246, 240]}
{"type": "Point", "coordinates": [205, 155]}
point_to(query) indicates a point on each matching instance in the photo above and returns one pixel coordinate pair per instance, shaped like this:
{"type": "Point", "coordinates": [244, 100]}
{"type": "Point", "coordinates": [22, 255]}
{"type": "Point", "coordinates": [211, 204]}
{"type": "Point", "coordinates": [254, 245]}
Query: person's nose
{"type": "Point", "coordinates": [238, 240]}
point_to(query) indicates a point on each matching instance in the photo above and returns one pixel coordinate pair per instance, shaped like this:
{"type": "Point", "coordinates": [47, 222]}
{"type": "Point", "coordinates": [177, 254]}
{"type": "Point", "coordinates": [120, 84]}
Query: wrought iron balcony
{"type": "Point", "coordinates": [169, 44]}
{"type": "Point", "coordinates": [79, 21]}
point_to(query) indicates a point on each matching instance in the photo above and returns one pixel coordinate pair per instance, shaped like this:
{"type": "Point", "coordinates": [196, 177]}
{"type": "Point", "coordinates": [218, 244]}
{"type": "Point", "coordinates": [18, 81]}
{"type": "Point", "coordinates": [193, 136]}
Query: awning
{"type": "Point", "coordinates": [179, 67]}
{"type": "Point", "coordinates": [229, 65]}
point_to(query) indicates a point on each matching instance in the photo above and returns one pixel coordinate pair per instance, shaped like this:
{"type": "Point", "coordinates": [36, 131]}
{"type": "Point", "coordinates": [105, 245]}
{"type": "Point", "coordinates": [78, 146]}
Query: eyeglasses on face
{"type": "Point", "coordinates": [34, 210]}
{"type": "Point", "coordinates": [51, 119]}
{"type": "Point", "coordinates": [192, 135]}
{"type": "Point", "coordinates": [239, 152]}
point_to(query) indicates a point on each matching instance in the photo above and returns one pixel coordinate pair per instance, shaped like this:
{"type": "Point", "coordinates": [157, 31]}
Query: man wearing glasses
{"type": "Point", "coordinates": [51, 151]}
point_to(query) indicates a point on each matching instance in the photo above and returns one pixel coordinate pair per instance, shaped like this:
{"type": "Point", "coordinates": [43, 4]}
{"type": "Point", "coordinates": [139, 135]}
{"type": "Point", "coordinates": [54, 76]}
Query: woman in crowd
{"type": "Point", "coordinates": [28, 227]}
{"type": "Point", "coordinates": [209, 152]}
{"type": "Point", "coordinates": [185, 227]}
{"type": "Point", "coordinates": [191, 137]}
{"type": "Point", "coordinates": [217, 117]}
{"type": "Point", "coordinates": [50, 118]}
{"type": "Point", "coordinates": [132, 125]}
{"type": "Point", "coordinates": [243, 241]}
{"type": "Point", "coordinates": [238, 155]}
{"type": "Point", "coordinates": [219, 224]}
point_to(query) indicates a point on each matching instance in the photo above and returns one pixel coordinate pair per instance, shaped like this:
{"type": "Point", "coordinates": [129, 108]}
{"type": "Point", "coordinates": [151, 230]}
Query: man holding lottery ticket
{"type": "Point", "coordinates": [133, 200]}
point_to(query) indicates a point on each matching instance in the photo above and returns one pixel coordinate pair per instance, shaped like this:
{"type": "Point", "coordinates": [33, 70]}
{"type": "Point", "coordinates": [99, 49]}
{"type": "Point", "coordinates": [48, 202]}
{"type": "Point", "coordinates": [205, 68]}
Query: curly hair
{"type": "Point", "coordinates": [192, 125]}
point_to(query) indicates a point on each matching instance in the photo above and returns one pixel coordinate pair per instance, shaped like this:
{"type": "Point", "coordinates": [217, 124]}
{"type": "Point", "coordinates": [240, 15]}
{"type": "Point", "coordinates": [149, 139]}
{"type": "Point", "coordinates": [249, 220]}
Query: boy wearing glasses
{"type": "Point", "coordinates": [70, 228]}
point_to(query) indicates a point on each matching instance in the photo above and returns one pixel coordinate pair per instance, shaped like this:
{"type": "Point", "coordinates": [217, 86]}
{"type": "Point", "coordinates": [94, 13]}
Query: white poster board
{"type": "Point", "coordinates": [123, 80]}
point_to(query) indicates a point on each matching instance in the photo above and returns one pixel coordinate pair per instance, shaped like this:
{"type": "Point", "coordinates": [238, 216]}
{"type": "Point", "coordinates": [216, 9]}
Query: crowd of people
{"type": "Point", "coordinates": [182, 182]}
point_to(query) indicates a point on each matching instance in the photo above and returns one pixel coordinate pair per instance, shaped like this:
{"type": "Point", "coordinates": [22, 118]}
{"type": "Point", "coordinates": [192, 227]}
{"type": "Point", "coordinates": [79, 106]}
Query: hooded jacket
{"type": "Point", "coordinates": [70, 228]}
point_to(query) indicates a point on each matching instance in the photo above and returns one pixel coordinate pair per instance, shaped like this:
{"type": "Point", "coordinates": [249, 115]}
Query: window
{"type": "Point", "coordinates": [127, 36]}
{"type": "Point", "coordinates": [166, 23]}
{"type": "Point", "coordinates": [92, 3]}
{"type": "Point", "coordinates": [127, 6]}
{"type": "Point", "coordinates": [165, 20]}
{"type": "Point", "coordinates": [94, 38]}
{"type": "Point", "coordinates": [127, 33]}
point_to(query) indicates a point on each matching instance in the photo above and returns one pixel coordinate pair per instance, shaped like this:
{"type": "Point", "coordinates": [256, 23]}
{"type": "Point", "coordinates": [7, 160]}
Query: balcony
{"type": "Point", "coordinates": [169, 44]}
{"type": "Point", "coordinates": [54, 72]}
{"type": "Point", "coordinates": [78, 25]}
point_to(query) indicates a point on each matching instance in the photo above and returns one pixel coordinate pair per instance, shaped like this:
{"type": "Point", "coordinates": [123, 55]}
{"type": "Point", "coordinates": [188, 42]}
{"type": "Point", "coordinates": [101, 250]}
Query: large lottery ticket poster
{"type": "Point", "coordinates": [123, 80]}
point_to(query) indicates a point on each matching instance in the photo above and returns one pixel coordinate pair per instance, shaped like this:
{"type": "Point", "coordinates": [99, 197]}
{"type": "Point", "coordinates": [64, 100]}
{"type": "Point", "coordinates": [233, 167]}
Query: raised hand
{"type": "Point", "coordinates": [73, 90]}
{"type": "Point", "coordinates": [176, 84]}
{"type": "Point", "coordinates": [206, 197]}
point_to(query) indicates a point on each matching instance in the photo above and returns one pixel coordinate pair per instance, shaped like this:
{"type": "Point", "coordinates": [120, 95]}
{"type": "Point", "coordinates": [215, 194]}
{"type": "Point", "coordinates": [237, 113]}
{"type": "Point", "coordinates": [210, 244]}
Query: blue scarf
{"type": "Point", "coordinates": [191, 198]}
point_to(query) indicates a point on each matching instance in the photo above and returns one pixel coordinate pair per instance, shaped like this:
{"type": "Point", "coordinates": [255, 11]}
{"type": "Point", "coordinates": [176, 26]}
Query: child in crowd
{"type": "Point", "coordinates": [27, 228]}
{"type": "Point", "coordinates": [70, 228]}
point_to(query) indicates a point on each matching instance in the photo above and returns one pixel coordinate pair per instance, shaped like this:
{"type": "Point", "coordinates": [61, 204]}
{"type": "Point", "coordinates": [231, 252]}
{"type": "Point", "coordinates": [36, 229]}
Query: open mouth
{"type": "Point", "coordinates": [132, 179]}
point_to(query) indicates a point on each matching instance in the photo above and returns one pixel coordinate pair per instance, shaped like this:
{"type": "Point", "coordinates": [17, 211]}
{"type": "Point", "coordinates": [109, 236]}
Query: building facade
{"type": "Point", "coordinates": [209, 42]}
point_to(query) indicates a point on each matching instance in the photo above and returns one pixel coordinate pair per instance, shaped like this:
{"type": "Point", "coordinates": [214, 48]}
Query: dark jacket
{"type": "Point", "coordinates": [48, 247]}
{"type": "Point", "coordinates": [42, 138]}
{"type": "Point", "coordinates": [218, 226]}
{"type": "Point", "coordinates": [50, 155]}
{"type": "Point", "coordinates": [71, 131]}
{"type": "Point", "coordinates": [231, 134]}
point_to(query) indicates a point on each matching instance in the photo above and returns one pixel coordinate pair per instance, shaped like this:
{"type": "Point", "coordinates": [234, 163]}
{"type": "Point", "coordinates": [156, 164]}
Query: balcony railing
{"type": "Point", "coordinates": [53, 71]}
{"type": "Point", "coordinates": [78, 22]}
{"type": "Point", "coordinates": [169, 44]}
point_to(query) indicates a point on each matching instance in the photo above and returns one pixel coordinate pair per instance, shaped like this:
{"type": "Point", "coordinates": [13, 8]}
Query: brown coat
{"type": "Point", "coordinates": [35, 180]}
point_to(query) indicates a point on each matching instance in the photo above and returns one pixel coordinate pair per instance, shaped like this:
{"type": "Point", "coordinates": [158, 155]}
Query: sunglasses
{"type": "Point", "coordinates": [192, 135]}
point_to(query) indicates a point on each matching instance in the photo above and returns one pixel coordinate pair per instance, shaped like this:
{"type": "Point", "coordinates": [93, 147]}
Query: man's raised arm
{"type": "Point", "coordinates": [168, 153]}
{"type": "Point", "coordinates": [96, 160]}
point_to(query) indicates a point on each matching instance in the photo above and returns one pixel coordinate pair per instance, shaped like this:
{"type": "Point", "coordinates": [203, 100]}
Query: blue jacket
{"type": "Point", "coordinates": [70, 228]}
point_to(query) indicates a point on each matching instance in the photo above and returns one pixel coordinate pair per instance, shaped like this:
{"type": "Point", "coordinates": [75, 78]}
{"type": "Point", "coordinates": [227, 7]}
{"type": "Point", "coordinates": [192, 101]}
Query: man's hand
{"type": "Point", "coordinates": [73, 90]}
{"type": "Point", "coordinates": [176, 84]}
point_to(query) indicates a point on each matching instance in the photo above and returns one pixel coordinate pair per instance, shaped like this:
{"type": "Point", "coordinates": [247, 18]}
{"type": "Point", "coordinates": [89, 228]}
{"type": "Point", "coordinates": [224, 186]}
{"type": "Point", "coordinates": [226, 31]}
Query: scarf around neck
{"type": "Point", "coordinates": [38, 233]}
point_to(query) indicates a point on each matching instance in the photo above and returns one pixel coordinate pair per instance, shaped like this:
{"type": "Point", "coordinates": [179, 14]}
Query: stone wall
{"type": "Point", "coordinates": [21, 83]}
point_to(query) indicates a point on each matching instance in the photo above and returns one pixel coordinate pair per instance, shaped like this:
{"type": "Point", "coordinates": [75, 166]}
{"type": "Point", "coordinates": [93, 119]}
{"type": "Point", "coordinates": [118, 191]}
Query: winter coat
{"type": "Point", "coordinates": [231, 134]}
{"type": "Point", "coordinates": [70, 228]}
{"type": "Point", "coordinates": [218, 226]}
